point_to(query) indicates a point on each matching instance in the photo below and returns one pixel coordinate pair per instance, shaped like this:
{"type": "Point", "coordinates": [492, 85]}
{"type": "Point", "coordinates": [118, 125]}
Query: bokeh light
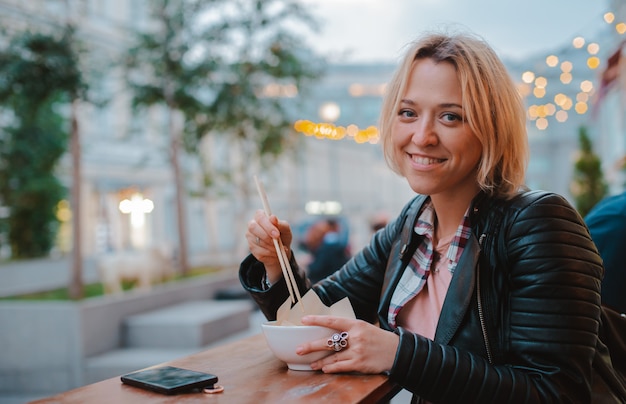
{"type": "Point", "coordinates": [528, 77]}
{"type": "Point", "coordinates": [541, 123]}
{"type": "Point", "coordinates": [566, 66]}
{"type": "Point", "coordinates": [581, 107]}
{"type": "Point", "coordinates": [593, 48]}
{"type": "Point", "coordinates": [578, 42]}
{"type": "Point", "coordinates": [566, 78]}
{"type": "Point", "coordinates": [325, 130]}
{"type": "Point", "coordinates": [541, 82]}
{"type": "Point", "coordinates": [593, 62]}
{"type": "Point", "coordinates": [552, 60]}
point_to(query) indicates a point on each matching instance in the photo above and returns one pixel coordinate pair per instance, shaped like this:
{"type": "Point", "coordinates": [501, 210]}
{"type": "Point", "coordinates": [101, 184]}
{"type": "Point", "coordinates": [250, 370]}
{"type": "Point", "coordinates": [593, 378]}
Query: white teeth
{"type": "Point", "coordinates": [425, 160]}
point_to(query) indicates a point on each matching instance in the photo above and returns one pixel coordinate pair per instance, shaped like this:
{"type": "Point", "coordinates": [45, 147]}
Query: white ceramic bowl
{"type": "Point", "coordinates": [284, 339]}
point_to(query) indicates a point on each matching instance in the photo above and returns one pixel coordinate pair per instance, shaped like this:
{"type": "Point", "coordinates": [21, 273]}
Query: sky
{"type": "Point", "coordinates": [378, 30]}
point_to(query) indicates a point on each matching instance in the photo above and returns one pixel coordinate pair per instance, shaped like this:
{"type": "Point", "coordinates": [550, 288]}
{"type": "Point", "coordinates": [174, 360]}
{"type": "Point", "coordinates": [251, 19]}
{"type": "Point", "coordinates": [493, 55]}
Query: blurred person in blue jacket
{"type": "Point", "coordinates": [328, 251]}
{"type": "Point", "coordinates": [607, 225]}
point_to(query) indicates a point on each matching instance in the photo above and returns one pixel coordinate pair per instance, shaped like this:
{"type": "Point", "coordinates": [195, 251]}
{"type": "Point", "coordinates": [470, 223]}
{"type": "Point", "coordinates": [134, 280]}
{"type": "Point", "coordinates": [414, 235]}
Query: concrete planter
{"type": "Point", "coordinates": [45, 343]}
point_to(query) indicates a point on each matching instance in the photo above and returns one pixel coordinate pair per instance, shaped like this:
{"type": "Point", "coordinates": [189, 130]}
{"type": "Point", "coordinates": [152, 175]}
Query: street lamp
{"type": "Point", "coordinates": [137, 207]}
{"type": "Point", "coordinates": [329, 112]}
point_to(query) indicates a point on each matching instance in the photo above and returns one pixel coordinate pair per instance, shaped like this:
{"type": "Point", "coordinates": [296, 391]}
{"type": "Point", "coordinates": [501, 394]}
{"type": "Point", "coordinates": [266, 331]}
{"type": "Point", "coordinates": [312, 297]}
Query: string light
{"type": "Point", "coordinates": [330, 131]}
{"type": "Point", "coordinates": [563, 103]}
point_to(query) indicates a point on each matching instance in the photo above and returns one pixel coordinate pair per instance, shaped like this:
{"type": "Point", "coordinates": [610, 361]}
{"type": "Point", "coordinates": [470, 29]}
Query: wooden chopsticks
{"type": "Point", "coordinates": [294, 292]}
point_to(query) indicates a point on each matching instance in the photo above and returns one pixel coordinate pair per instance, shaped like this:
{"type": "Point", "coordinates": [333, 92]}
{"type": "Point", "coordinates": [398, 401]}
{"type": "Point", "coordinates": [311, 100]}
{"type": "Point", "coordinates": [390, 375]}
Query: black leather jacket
{"type": "Point", "coordinates": [520, 320]}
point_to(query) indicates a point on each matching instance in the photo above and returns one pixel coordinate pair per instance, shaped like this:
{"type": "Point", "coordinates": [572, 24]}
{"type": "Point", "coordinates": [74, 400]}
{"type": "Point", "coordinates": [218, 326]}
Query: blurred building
{"type": "Point", "coordinates": [610, 113]}
{"type": "Point", "coordinates": [125, 159]}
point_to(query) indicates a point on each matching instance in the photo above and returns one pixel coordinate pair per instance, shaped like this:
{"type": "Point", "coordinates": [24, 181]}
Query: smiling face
{"type": "Point", "coordinates": [432, 143]}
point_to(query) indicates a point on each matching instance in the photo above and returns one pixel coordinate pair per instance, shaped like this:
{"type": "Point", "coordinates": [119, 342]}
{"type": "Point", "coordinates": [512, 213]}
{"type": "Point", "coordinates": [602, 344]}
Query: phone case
{"type": "Point", "coordinates": [169, 380]}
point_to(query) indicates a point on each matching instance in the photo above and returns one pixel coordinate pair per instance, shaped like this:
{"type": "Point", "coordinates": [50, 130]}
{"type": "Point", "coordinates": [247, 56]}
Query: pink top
{"type": "Point", "coordinates": [421, 314]}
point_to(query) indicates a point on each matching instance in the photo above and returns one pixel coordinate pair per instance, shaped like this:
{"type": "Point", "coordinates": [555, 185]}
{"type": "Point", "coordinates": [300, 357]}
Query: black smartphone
{"type": "Point", "coordinates": [170, 380]}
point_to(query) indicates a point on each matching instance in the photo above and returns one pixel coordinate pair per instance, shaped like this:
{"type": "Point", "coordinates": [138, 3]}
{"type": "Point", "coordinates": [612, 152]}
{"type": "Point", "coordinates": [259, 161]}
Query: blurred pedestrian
{"type": "Point", "coordinates": [328, 251]}
{"type": "Point", "coordinates": [607, 224]}
{"type": "Point", "coordinates": [378, 221]}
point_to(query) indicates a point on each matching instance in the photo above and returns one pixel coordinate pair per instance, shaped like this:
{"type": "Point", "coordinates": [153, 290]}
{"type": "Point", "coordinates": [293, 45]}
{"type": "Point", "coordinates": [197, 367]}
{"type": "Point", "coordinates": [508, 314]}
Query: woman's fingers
{"type": "Point", "coordinates": [261, 230]}
{"type": "Point", "coordinates": [341, 324]}
{"type": "Point", "coordinates": [268, 228]}
{"type": "Point", "coordinates": [261, 234]}
{"type": "Point", "coordinates": [334, 322]}
{"type": "Point", "coordinates": [367, 349]}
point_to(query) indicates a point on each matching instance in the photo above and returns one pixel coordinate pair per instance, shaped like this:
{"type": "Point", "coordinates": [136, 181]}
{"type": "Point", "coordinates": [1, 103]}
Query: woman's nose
{"type": "Point", "coordinates": [424, 133]}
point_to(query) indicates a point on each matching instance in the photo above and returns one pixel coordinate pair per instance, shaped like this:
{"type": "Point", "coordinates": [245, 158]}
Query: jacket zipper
{"type": "Point", "coordinates": [481, 314]}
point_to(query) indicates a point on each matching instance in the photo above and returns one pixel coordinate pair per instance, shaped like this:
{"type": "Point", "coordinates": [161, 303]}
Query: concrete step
{"type": "Point", "coordinates": [126, 360]}
{"type": "Point", "coordinates": [192, 324]}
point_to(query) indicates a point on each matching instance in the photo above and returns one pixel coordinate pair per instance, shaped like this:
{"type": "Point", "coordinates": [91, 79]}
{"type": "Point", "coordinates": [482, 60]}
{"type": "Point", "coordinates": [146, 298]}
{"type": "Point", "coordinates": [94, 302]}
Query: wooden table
{"type": "Point", "coordinates": [249, 373]}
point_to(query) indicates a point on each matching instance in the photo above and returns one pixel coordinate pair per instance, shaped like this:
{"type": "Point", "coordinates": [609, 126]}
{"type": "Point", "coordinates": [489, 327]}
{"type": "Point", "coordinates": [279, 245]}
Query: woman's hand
{"type": "Point", "coordinates": [261, 232]}
{"type": "Point", "coordinates": [370, 349]}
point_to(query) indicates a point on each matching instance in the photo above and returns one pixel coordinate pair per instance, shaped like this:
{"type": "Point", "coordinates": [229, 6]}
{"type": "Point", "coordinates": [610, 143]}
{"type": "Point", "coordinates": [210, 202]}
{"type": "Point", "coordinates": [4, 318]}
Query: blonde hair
{"type": "Point", "coordinates": [493, 107]}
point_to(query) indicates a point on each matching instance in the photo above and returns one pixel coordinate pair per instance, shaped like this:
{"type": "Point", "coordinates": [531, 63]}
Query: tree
{"type": "Point", "coordinates": [38, 73]}
{"type": "Point", "coordinates": [589, 186]}
{"type": "Point", "coordinates": [270, 63]}
{"type": "Point", "coordinates": [167, 66]}
{"type": "Point", "coordinates": [207, 62]}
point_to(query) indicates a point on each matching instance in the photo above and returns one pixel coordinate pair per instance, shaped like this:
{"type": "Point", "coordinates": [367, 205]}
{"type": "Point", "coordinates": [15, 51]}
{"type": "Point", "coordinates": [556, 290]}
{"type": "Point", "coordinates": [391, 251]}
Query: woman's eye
{"type": "Point", "coordinates": [450, 117]}
{"type": "Point", "coordinates": [407, 113]}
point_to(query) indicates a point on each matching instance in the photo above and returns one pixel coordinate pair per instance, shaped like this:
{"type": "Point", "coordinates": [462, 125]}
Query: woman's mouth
{"type": "Point", "coordinates": [425, 160]}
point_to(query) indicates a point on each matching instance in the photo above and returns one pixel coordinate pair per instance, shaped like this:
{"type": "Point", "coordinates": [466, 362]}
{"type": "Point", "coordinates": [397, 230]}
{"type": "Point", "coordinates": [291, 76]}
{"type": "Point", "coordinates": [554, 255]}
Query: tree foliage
{"type": "Point", "coordinates": [589, 186]}
{"type": "Point", "coordinates": [270, 65]}
{"type": "Point", "coordinates": [215, 57]}
{"type": "Point", "coordinates": [173, 61]}
{"type": "Point", "coordinates": [169, 65]}
{"type": "Point", "coordinates": [210, 62]}
{"type": "Point", "coordinates": [38, 74]}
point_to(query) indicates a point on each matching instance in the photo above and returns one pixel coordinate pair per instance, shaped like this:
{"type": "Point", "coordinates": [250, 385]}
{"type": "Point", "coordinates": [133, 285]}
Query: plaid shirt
{"type": "Point", "coordinates": [416, 273]}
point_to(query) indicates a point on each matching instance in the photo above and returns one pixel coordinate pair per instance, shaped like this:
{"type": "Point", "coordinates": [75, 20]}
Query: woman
{"type": "Point", "coordinates": [479, 291]}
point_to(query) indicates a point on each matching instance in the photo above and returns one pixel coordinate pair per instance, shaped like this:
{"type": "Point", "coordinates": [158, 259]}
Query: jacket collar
{"type": "Point", "coordinates": [401, 252]}
{"type": "Point", "coordinates": [459, 294]}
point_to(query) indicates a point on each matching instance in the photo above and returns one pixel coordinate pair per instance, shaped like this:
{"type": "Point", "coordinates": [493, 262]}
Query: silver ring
{"type": "Point", "coordinates": [258, 241]}
{"type": "Point", "coordinates": [338, 341]}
